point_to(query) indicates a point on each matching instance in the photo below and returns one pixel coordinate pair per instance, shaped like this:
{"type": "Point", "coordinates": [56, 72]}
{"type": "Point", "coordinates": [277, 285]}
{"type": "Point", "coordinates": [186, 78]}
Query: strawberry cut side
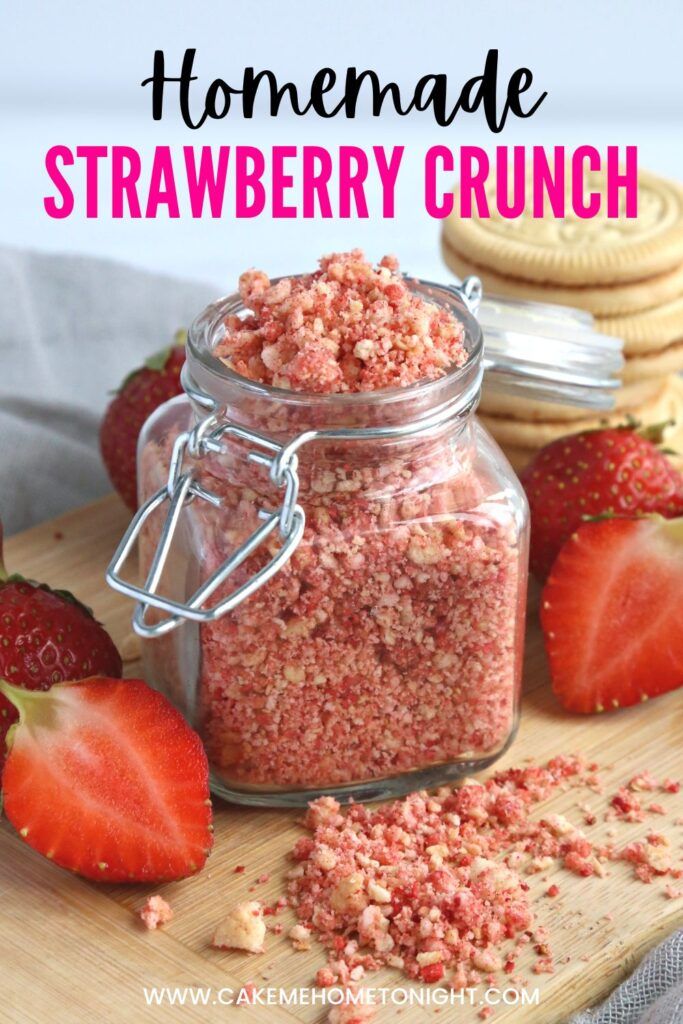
{"type": "Point", "coordinates": [106, 778]}
{"type": "Point", "coordinates": [612, 613]}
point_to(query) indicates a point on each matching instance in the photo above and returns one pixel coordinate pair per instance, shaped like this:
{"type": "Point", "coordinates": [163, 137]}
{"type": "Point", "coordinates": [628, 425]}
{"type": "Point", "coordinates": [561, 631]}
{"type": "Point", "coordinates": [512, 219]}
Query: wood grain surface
{"type": "Point", "coordinates": [71, 951]}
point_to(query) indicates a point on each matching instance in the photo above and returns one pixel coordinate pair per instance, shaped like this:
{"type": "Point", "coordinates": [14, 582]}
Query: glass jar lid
{"type": "Point", "coordinates": [544, 352]}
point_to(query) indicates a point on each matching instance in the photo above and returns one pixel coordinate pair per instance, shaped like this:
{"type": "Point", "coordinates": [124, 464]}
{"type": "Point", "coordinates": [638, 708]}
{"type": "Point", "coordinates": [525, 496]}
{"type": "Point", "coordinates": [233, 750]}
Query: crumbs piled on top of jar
{"type": "Point", "coordinates": [348, 327]}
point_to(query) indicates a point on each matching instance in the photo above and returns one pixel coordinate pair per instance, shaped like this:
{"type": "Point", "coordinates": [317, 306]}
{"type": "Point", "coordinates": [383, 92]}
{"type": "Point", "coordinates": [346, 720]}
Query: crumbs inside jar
{"type": "Point", "coordinates": [391, 640]}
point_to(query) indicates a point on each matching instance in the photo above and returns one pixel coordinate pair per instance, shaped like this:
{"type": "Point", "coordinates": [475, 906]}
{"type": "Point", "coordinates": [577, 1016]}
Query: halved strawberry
{"type": "Point", "coordinates": [106, 778]}
{"type": "Point", "coordinates": [612, 613]}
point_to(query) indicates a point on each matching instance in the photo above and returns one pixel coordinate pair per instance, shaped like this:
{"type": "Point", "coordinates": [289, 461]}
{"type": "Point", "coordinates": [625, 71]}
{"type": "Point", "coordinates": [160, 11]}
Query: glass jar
{"type": "Point", "coordinates": [384, 653]}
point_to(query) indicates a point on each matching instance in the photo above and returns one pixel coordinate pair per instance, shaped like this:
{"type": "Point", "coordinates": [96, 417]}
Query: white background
{"type": "Point", "coordinates": [70, 73]}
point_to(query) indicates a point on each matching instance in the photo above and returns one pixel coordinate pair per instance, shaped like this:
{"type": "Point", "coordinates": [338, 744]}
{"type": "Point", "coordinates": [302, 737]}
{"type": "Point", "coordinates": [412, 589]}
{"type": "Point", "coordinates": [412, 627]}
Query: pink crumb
{"type": "Point", "coordinates": [352, 1011]}
{"type": "Point", "coordinates": [249, 990]}
{"type": "Point", "coordinates": [644, 782]}
{"type": "Point", "coordinates": [242, 928]}
{"type": "Point", "coordinates": [544, 966]}
{"type": "Point", "coordinates": [155, 912]}
{"type": "Point", "coordinates": [627, 805]}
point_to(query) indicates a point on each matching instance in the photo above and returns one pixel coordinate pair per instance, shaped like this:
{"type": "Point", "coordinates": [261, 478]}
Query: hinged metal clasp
{"type": "Point", "coordinates": [180, 490]}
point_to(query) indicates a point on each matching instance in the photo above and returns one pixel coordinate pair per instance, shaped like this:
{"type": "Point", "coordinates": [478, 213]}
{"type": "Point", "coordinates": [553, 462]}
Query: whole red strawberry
{"type": "Point", "coordinates": [616, 471]}
{"type": "Point", "coordinates": [141, 393]}
{"type": "Point", "coordinates": [46, 636]}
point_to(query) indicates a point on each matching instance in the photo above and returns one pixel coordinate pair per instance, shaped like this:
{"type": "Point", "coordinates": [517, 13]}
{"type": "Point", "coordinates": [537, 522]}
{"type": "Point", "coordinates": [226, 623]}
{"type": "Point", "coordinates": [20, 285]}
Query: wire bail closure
{"type": "Point", "coordinates": [180, 490]}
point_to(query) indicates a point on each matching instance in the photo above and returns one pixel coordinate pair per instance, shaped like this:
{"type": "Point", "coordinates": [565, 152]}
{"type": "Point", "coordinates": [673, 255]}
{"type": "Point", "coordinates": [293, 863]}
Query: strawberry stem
{"type": "Point", "coordinates": [656, 432]}
{"type": "Point", "coordinates": [32, 705]}
{"type": "Point", "coordinates": [159, 359]}
{"type": "Point", "coordinates": [673, 530]}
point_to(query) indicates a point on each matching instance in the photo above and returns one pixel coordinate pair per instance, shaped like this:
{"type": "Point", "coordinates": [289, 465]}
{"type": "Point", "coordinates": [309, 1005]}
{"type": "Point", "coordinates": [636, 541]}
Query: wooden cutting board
{"type": "Point", "coordinates": [71, 951]}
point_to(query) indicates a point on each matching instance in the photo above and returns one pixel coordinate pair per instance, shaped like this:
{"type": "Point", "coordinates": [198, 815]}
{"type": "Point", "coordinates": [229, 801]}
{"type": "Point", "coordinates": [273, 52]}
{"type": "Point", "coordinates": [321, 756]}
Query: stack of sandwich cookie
{"type": "Point", "coordinates": [520, 438]}
{"type": "Point", "coordinates": [627, 272]}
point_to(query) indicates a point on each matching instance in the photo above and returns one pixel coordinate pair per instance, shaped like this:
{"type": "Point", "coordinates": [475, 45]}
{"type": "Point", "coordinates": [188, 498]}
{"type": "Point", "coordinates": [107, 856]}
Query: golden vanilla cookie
{"type": "Point", "coordinates": [608, 300]}
{"type": "Point", "coordinates": [530, 410]}
{"type": "Point", "coordinates": [667, 361]}
{"type": "Point", "coordinates": [516, 434]}
{"type": "Point", "coordinates": [576, 251]}
{"type": "Point", "coordinates": [649, 331]}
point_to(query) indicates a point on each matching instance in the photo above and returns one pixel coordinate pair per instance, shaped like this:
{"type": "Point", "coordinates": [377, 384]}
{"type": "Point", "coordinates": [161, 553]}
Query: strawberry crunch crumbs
{"type": "Point", "coordinates": [155, 912]}
{"type": "Point", "coordinates": [348, 327]}
{"type": "Point", "coordinates": [438, 885]}
{"type": "Point", "coordinates": [376, 650]}
{"type": "Point", "coordinates": [243, 928]}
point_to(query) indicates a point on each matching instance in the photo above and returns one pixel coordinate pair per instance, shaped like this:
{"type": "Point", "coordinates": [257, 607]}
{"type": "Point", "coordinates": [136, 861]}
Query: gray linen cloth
{"type": "Point", "coordinates": [70, 329]}
{"type": "Point", "coordinates": [652, 995]}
